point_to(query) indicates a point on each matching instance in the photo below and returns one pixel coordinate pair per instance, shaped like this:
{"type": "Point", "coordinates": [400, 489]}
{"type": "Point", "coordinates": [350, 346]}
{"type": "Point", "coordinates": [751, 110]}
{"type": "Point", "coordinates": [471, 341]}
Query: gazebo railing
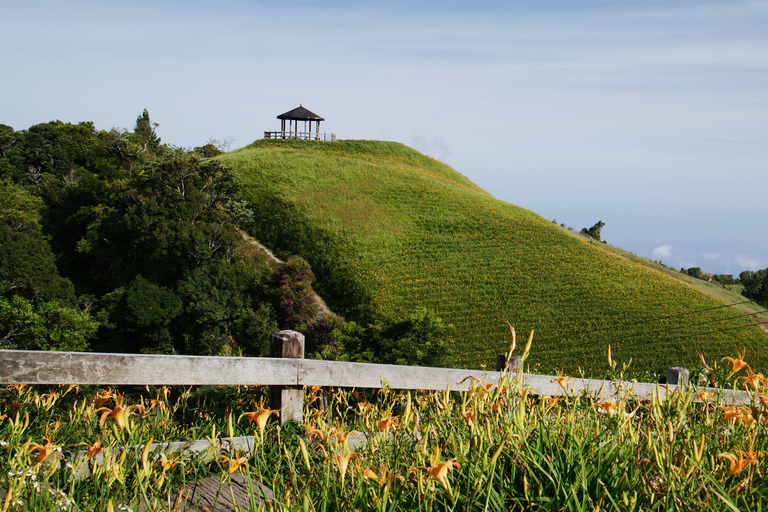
{"type": "Point", "coordinates": [301, 135]}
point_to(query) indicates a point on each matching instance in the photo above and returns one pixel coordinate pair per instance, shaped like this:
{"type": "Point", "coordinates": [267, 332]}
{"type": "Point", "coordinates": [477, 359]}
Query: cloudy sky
{"type": "Point", "coordinates": [650, 116]}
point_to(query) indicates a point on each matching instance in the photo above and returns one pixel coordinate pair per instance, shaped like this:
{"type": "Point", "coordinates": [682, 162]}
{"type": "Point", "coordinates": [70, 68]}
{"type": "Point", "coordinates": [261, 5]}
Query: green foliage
{"type": "Point", "coordinates": [594, 231]}
{"type": "Point", "coordinates": [147, 234]}
{"type": "Point", "coordinates": [725, 279]}
{"type": "Point", "coordinates": [755, 285]}
{"type": "Point", "coordinates": [421, 339]}
{"type": "Point", "coordinates": [43, 325]}
{"type": "Point", "coordinates": [208, 151]}
{"type": "Point", "coordinates": [144, 134]}
{"type": "Point", "coordinates": [27, 264]}
{"type": "Point", "coordinates": [297, 301]}
{"type": "Point", "coordinates": [694, 272]}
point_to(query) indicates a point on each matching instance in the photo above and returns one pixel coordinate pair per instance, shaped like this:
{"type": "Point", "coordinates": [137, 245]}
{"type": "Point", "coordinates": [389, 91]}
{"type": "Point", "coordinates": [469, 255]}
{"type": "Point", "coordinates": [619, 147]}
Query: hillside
{"type": "Point", "coordinates": [390, 229]}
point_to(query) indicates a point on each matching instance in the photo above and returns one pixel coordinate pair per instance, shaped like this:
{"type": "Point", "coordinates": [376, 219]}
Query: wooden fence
{"type": "Point", "coordinates": [287, 372]}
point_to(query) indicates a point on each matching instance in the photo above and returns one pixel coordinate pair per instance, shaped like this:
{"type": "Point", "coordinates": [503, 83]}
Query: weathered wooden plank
{"type": "Point", "coordinates": [367, 375]}
{"type": "Point", "coordinates": [38, 367]}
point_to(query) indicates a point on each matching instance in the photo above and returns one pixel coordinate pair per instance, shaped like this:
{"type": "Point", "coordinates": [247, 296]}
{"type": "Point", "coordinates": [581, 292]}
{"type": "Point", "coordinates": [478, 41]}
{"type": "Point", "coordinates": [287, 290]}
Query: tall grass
{"type": "Point", "coordinates": [496, 447]}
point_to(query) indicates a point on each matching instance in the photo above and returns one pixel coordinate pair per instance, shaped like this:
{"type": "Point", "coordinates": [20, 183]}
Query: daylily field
{"type": "Point", "coordinates": [378, 221]}
{"type": "Point", "coordinates": [492, 448]}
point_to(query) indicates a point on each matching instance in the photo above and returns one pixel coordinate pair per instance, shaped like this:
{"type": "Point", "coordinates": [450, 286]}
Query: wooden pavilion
{"type": "Point", "coordinates": [294, 117]}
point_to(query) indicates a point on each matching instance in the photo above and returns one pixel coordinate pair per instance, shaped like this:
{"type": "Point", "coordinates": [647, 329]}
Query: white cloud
{"type": "Point", "coordinates": [436, 148]}
{"type": "Point", "coordinates": [747, 262]}
{"type": "Point", "coordinates": [665, 251]}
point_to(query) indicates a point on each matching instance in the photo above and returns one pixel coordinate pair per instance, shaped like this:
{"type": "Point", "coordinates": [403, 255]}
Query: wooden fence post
{"type": "Point", "coordinates": [512, 365]}
{"type": "Point", "coordinates": [677, 375]}
{"type": "Point", "coordinates": [289, 399]}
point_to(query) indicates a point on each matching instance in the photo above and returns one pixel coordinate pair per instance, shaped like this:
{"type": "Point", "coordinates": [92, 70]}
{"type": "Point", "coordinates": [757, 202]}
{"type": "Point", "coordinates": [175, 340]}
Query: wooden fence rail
{"type": "Point", "coordinates": [327, 137]}
{"type": "Point", "coordinates": [290, 372]}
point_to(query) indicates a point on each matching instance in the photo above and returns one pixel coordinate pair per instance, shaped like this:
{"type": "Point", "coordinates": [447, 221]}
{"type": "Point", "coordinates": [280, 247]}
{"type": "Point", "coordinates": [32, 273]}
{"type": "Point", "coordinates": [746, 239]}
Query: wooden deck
{"type": "Point", "coordinates": [212, 495]}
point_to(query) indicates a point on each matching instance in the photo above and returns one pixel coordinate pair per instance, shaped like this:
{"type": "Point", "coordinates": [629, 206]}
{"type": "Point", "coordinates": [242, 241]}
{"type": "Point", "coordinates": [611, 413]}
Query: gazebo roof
{"type": "Point", "coordinates": [300, 114]}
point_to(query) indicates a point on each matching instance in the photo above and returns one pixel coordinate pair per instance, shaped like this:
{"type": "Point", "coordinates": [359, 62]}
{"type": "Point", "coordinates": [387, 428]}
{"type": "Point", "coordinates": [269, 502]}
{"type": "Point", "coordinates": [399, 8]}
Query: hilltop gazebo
{"type": "Point", "coordinates": [294, 117]}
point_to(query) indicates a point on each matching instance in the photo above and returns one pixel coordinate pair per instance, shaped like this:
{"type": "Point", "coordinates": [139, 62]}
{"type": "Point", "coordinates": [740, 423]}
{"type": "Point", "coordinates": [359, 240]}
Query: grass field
{"type": "Point", "coordinates": [493, 448]}
{"type": "Point", "coordinates": [409, 231]}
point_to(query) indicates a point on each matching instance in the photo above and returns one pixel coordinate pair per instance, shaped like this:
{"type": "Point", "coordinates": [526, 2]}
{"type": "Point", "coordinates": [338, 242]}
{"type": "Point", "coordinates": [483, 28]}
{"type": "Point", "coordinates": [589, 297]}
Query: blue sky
{"type": "Point", "coordinates": [650, 116]}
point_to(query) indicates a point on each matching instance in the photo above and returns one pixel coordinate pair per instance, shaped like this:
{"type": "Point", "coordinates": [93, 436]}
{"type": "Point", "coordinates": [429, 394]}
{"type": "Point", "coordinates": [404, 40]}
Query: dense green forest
{"type": "Point", "coordinates": [114, 241]}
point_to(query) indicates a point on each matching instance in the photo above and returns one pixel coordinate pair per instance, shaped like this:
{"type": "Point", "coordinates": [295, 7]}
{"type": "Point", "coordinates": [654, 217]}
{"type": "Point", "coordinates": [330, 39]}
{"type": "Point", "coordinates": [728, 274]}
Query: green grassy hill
{"type": "Point", "coordinates": [391, 229]}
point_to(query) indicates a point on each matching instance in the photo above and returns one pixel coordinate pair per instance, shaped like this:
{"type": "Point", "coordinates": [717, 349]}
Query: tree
{"type": "Point", "coordinates": [755, 285]}
{"type": "Point", "coordinates": [594, 231]}
{"type": "Point", "coordinates": [144, 134]}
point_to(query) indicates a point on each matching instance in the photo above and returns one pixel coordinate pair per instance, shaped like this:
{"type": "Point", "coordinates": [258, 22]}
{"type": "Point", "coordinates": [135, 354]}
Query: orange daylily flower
{"type": "Point", "coordinates": [364, 406]}
{"type": "Point", "coordinates": [259, 417]}
{"type": "Point", "coordinates": [736, 363]}
{"type": "Point", "coordinates": [104, 396]}
{"type": "Point", "coordinates": [763, 399]}
{"type": "Point", "coordinates": [314, 433]}
{"type": "Point", "coordinates": [167, 463]}
{"type": "Point", "coordinates": [156, 402]}
{"type": "Point", "coordinates": [704, 396]}
{"type": "Point", "coordinates": [738, 414]}
{"type": "Point", "coordinates": [94, 449]}
{"type": "Point", "coordinates": [386, 423]}
{"type": "Point", "coordinates": [71, 387]}
{"type": "Point", "coordinates": [551, 402]}
{"type": "Point", "coordinates": [611, 407]}
{"type": "Point", "coordinates": [753, 379]}
{"type": "Point", "coordinates": [440, 472]}
{"type": "Point", "coordinates": [234, 462]}
{"type": "Point", "coordinates": [343, 461]}
{"type": "Point", "coordinates": [469, 416]}
{"type": "Point", "coordinates": [560, 379]}
{"type": "Point", "coordinates": [43, 451]}
{"type": "Point", "coordinates": [384, 477]}
{"type": "Point", "coordinates": [120, 413]}
{"type": "Point", "coordinates": [739, 463]}
{"type": "Point", "coordinates": [343, 436]}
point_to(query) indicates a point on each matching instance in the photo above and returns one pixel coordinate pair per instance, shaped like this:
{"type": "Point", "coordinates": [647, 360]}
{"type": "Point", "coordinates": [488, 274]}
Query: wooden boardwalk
{"type": "Point", "coordinates": [212, 495]}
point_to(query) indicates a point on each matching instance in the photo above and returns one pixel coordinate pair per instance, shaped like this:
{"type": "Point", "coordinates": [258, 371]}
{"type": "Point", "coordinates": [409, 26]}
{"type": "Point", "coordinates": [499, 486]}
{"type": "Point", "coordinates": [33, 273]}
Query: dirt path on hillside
{"type": "Point", "coordinates": [322, 307]}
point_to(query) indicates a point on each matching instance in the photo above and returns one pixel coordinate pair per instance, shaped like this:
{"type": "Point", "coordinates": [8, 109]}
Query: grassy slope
{"type": "Point", "coordinates": [417, 233]}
